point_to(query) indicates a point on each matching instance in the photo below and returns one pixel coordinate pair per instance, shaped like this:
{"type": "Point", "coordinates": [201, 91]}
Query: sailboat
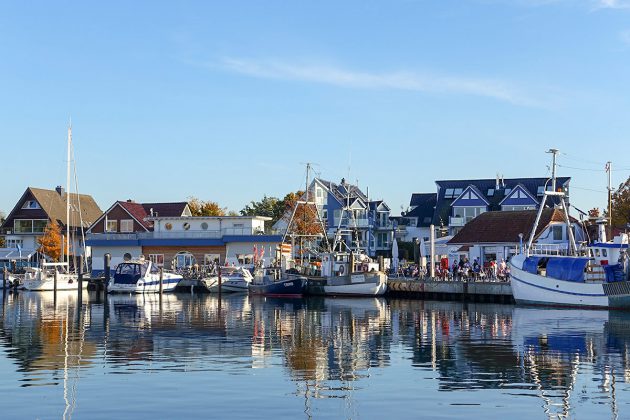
{"type": "Point", "coordinates": [43, 277]}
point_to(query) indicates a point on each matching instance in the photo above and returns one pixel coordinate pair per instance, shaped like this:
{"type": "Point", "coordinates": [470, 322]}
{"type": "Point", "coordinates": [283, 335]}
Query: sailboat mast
{"type": "Point", "coordinates": [68, 195]}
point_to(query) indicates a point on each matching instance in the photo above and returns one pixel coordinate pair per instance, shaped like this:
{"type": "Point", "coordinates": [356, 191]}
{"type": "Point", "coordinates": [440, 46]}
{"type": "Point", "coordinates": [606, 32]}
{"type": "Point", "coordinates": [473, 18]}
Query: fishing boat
{"type": "Point", "coordinates": [596, 275]}
{"type": "Point", "coordinates": [141, 276]}
{"type": "Point", "coordinates": [233, 280]}
{"type": "Point", "coordinates": [274, 282]}
{"type": "Point", "coordinates": [348, 273]}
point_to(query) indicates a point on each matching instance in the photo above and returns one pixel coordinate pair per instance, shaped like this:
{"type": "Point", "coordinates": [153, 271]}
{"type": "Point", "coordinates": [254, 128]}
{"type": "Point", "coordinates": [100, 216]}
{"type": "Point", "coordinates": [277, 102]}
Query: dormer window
{"type": "Point", "coordinates": [449, 193]}
{"type": "Point", "coordinates": [31, 204]}
{"type": "Point", "coordinates": [508, 191]}
{"type": "Point", "coordinates": [490, 192]}
{"type": "Point", "coordinates": [457, 192]}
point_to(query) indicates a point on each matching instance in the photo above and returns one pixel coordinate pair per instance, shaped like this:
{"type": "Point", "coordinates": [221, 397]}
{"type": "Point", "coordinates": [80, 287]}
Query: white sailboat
{"type": "Point", "coordinates": [43, 278]}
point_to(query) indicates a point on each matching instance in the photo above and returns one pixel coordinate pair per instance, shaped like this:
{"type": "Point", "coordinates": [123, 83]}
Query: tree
{"type": "Point", "coordinates": [205, 208]}
{"type": "Point", "coordinates": [2, 219]}
{"type": "Point", "coordinates": [305, 219]}
{"type": "Point", "coordinates": [50, 241]}
{"type": "Point", "coordinates": [267, 207]}
{"type": "Point", "coordinates": [621, 205]}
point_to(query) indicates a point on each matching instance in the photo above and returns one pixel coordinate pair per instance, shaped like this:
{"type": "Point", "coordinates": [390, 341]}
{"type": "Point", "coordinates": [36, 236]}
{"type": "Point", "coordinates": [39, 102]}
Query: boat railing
{"type": "Point", "coordinates": [549, 249]}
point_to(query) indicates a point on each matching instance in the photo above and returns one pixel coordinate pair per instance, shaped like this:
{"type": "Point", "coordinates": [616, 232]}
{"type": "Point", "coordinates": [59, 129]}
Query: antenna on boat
{"type": "Point", "coordinates": [554, 152]}
{"type": "Point", "coordinates": [609, 170]}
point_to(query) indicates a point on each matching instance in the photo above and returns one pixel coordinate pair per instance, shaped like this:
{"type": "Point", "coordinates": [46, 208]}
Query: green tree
{"type": "Point", "coordinates": [267, 207]}
{"type": "Point", "coordinates": [205, 208]}
{"type": "Point", "coordinates": [621, 205]}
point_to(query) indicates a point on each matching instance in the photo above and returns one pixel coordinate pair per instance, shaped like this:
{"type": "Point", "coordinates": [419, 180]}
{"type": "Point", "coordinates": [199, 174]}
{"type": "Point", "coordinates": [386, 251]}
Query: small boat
{"type": "Point", "coordinates": [233, 280]}
{"type": "Point", "coordinates": [141, 276]}
{"type": "Point", "coordinates": [43, 278]}
{"type": "Point", "coordinates": [271, 282]}
{"type": "Point", "coordinates": [348, 273]}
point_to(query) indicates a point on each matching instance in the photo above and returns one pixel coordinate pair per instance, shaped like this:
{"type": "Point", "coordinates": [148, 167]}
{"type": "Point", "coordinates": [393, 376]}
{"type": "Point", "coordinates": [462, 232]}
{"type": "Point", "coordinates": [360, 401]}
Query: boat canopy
{"type": "Point", "coordinates": [531, 264]}
{"type": "Point", "coordinates": [569, 269]}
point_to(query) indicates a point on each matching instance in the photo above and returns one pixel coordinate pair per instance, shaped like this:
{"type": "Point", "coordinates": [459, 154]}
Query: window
{"type": "Point", "coordinates": [204, 226]}
{"type": "Point", "coordinates": [324, 214]}
{"type": "Point", "coordinates": [490, 192]}
{"type": "Point", "coordinates": [14, 243]}
{"type": "Point", "coordinates": [508, 191]}
{"type": "Point", "coordinates": [111, 226]}
{"type": "Point", "coordinates": [468, 213]}
{"type": "Point", "coordinates": [557, 233]}
{"type": "Point", "coordinates": [126, 225]}
{"type": "Point", "coordinates": [29, 226]}
{"type": "Point", "coordinates": [239, 225]}
{"type": "Point", "coordinates": [210, 259]}
{"type": "Point", "coordinates": [184, 259]}
{"type": "Point", "coordinates": [186, 226]}
{"type": "Point", "coordinates": [157, 259]}
{"type": "Point", "coordinates": [31, 204]}
{"type": "Point", "coordinates": [448, 193]}
{"type": "Point", "coordinates": [457, 192]}
{"type": "Point", "coordinates": [517, 208]}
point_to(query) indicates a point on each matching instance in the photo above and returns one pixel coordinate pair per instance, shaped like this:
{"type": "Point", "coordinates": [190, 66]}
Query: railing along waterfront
{"type": "Point", "coordinates": [197, 234]}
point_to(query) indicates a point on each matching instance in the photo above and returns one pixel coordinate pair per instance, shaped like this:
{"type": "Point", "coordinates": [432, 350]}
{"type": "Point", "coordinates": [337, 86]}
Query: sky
{"type": "Point", "coordinates": [227, 101]}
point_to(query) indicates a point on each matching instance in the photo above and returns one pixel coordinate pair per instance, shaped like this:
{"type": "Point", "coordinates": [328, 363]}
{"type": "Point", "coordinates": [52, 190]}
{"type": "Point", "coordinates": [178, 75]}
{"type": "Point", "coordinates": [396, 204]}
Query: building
{"type": "Point", "coordinates": [37, 207]}
{"type": "Point", "coordinates": [497, 235]}
{"type": "Point", "coordinates": [414, 224]}
{"type": "Point", "coordinates": [369, 219]}
{"type": "Point", "coordinates": [457, 202]}
{"type": "Point", "coordinates": [168, 235]}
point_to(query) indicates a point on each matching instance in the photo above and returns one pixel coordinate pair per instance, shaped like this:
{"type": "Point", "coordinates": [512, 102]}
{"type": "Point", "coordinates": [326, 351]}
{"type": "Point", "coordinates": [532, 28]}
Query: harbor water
{"type": "Point", "coordinates": [198, 356]}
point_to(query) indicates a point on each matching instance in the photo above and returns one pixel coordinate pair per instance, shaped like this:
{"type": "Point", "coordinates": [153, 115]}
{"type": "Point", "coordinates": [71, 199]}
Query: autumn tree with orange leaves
{"type": "Point", "coordinates": [305, 219]}
{"type": "Point", "coordinates": [50, 241]}
{"type": "Point", "coordinates": [205, 208]}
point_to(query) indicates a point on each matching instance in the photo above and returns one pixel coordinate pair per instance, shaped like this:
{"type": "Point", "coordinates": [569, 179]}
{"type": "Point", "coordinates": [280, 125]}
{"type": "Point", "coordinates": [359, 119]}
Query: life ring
{"type": "Point", "coordinates": [341, 270]}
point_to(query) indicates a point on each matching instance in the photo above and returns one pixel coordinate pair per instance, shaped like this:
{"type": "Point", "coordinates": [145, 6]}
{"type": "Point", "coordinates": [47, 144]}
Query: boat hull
{"type": "Point", "coordinates": [64, 282]}
{"type": "Point", "coordinates": [288, 288]}
{"type": "Point", "coordinates": [529, 288]}
{"type": "Point", "coordinates": [358, 284]}
{"type": "Point", "coordinates": [145, 286]}
{"type": "Point", "coordinates": [230, 286]}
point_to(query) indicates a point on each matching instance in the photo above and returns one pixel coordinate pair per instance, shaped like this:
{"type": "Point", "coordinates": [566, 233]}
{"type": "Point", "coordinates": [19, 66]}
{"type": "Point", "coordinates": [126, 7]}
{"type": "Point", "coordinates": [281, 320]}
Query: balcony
{"type": "Point", "coordinates": [456, 221]}
{"type": "Point", "coordinates": [198, 234]}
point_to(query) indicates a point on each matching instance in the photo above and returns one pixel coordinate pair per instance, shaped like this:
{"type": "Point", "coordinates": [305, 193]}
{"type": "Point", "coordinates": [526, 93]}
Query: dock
{"type": "Point", "coordinates": [474, 291]}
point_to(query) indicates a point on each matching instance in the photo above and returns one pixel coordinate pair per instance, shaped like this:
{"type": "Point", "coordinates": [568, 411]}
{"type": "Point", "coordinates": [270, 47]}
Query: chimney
{"type": "Point", "coordinates": [151, 211]}
{"type": "Point", "coordinates": [496, 183]}
{"type": "Point", "coordinates": [59, 190]}
{"type": "Point", "coordinates": [129, 200]}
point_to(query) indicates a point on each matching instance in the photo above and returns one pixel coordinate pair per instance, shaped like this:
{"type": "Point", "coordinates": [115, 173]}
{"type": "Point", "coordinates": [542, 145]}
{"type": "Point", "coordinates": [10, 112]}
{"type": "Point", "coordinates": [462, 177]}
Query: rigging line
{"type": "Point", "coordinates": [588, 189]}
{"type": "Point", "coordinates": [581, 169]}
{"type": "Point", "coordinates": [572, 157]}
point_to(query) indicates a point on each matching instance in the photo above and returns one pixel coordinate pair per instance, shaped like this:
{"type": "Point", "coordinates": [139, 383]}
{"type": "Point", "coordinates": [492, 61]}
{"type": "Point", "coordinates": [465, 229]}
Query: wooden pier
{"type": "Point", "coordinates": [475, 291]}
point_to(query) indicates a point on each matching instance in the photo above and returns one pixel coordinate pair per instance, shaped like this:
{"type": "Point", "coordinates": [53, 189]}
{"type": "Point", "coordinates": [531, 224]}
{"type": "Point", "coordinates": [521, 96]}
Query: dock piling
{"type": "Point", "coordinates": [107, 260]}
{"type": "Point", "coordinates": [5, 276]}
{"type": "Point", "coordinates": [161, 280]}
{"type": "Point", "coordinates": [219, 272]}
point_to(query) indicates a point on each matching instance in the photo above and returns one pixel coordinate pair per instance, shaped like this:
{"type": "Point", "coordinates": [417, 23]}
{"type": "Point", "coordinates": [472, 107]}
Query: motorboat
{"type": "Point", "coordinates": [142, 276]}
{"type": "Point", "coordinates": [233, 280]}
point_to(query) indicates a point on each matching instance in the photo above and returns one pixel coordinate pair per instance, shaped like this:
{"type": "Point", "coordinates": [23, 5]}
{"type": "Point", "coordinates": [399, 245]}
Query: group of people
{"type": "Point", "coordinates": [459, 270]}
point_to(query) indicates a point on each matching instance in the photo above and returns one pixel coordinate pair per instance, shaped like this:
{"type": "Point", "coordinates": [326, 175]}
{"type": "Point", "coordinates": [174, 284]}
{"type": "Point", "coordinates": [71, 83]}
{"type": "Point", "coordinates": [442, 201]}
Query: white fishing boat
{"type": "Point", "coordinates": [593, 276]}
{"type": "Point", "coordinates": [141, 276]}
{"type": "Point", "coordinates": [233, 280]}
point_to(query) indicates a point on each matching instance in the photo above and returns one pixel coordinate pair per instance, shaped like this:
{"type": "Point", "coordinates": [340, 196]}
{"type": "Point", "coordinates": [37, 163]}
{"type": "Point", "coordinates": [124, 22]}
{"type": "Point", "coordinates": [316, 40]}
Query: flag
{"type": "Point", "coordinates": [255, 253]}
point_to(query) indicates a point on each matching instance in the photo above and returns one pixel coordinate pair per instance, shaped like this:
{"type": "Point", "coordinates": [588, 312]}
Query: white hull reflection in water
{"type": "Point", "coordinates": [307, 358]}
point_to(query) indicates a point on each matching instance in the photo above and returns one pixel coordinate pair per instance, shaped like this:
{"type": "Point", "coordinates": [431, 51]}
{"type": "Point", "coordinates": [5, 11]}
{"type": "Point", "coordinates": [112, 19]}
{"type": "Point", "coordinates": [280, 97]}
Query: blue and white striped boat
{"type": "Point", "coordinates": [141, 277]}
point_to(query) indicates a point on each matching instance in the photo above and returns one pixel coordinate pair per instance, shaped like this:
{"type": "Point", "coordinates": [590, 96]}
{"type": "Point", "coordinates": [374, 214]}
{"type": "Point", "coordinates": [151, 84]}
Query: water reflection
{"type": "Point", "coordinates": [547, 360]}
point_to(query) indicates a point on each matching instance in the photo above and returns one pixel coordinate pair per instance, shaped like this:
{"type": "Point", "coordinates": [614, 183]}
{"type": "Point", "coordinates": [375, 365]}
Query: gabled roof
{"type": "Point", "coordinates": [54, 205]}
{"type": "Point", "coordinates": [505, 226]}
{"type": "Point", "coordinates": [473, 190]}
{"type": "Point", "coordinates": [443, 205]}
{"type": "Point", "coordinates": [341, 192]}
{"type": "Point", "coordinates": [140, 211]}
{"type": "Point", "coordinates": [375, 204]}
{"type": "Point", "coordinates": [519, 187]}
{"type": "Point", "coordinates": [424, 208]}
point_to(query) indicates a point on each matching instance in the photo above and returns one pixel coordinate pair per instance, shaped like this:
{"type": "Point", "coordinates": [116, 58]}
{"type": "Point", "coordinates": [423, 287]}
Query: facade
{"type": "Point", "coordinates": [179, 240]}
{"type": "Point", "coordinates": [498, 235]}
{"type": "Point", "coordinates": [457, 202]}
{"type": "Point", "coordinates": [414, 224]}
{"type": "Point", "coordinates": [370, 219]}
{"type": "Point", "coordinates": [37, 207]}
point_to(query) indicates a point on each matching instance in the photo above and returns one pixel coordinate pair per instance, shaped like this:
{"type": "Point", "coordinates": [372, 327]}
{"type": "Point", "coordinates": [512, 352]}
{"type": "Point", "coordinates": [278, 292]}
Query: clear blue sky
{"type": "Point", "coordinates": [225, 100]}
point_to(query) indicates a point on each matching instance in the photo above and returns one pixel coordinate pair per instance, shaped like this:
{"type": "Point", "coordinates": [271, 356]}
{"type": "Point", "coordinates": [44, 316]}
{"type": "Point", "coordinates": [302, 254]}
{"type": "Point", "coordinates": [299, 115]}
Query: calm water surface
{"type": "Point", "coordinates": [195, 356]}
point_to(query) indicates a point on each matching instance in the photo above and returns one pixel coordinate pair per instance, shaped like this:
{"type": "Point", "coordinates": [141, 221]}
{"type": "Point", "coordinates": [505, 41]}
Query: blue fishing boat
{"type": "Point", "coordinates": [273, 283]}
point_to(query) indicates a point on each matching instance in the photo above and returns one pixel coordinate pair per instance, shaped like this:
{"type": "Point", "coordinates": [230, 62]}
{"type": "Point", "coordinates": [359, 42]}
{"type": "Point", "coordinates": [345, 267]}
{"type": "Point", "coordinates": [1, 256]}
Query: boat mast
{"type": "Point", "coordinates": [68, 195]}
{"type": "Point", "coordinates": [554, 152]}
{"type": "Point", "coordinates": [609, 170]}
